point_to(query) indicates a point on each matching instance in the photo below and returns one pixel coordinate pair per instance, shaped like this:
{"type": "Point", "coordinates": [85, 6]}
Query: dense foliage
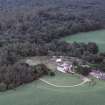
{"type": "Point", "coordinates": [83, 70]}
{"type": "Point", "coordinates": [15, 75]}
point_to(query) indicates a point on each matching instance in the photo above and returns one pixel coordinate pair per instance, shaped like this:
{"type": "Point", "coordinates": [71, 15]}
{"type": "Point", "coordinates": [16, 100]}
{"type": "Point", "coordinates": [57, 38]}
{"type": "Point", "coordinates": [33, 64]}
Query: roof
{"type": "Point", "coordinates": [59, 60]}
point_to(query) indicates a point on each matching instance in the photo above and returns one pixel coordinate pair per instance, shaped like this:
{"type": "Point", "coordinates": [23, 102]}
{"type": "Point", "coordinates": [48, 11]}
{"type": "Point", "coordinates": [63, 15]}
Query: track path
{"type": "Point", "coordinates": [60, 86]}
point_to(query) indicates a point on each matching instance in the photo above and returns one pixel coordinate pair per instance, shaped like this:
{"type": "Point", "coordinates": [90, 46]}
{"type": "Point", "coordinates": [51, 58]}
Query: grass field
{"type": "Point", "coordinates": [39, 93]}
{"type": "Point", "coordinates": [63, 79]}
{"type": "Point", "coordinates": [95, 36]}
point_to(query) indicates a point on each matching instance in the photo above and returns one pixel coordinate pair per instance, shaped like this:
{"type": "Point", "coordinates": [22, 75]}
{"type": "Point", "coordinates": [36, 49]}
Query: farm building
{"type": "Point", "coordinates": [98, 74]}
{"type": "Point", "coordinates": [65, 64]}
{"type": "Point", "coordinates": [66, 68]}
{"type": "Point", "coordinates": [59, 60]}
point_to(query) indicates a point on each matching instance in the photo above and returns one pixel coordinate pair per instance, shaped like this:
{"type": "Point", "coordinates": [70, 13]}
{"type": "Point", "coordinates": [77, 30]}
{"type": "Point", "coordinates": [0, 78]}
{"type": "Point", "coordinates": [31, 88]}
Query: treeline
{"type": "Point", "coordinates": [12, 76]}
{"type": "Point", "coordinates": [12, 53]}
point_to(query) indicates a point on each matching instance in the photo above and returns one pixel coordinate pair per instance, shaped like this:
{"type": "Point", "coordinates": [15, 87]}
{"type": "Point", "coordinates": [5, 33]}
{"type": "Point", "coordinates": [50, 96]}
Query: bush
{"type": "Point", "coordinates": [100, 66]}
{"type": "Point", "coordinates": [92, 48]}
{"type": "Point", "coordinates": [3, 86]}
{"type": "Point", "coordinates": [83, 70]}
{"type": "Point", "coordinates": [11, 86]}
{"type": "Point", "coordinates": [52, 73]}
{"type": "Point", "coordinates": [41, 69]}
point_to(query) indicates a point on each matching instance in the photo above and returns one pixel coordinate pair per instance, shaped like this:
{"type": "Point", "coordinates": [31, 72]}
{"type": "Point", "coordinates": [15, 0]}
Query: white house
{"type": "Point", "coordinates": [60, 68]}
{"type": "Point", "coordinates": [65, 67]}
{"type": "Point", "coordinates": [58, 60]}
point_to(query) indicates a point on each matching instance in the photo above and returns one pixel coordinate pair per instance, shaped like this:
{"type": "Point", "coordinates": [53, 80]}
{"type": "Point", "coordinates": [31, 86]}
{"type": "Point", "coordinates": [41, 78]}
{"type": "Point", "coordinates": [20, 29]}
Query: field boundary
{"type": "Point", "coordinates": [62, 86]}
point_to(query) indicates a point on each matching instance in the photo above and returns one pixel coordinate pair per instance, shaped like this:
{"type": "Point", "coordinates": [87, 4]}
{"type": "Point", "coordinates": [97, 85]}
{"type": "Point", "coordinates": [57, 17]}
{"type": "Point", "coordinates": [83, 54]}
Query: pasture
{"type": "Point", "coordinates": [39, 93]}
{"type": "Point", "coordinates": [94, 36]}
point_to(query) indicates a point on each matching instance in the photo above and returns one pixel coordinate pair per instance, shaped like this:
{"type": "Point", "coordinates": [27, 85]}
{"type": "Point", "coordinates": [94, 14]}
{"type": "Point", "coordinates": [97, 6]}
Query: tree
{"type": "Point", "coordinates": [83, 70]}
{"type": "Point", "coordinates": [92, 48]}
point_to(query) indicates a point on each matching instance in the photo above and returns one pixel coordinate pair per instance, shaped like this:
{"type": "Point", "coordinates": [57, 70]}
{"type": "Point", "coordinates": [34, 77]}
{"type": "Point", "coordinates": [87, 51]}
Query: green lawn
{"type": "Point", "coordinates": [39, 93]}
{"type": "Point", "coordinates": [95, 36]}
{"type": "Point", "coordinates": [63, 79]}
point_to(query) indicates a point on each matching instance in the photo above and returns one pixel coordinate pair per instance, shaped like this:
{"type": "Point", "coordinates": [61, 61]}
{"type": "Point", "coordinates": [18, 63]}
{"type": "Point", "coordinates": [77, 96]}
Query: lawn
{"type": "Point", "coordinates": [95, 36]}
{"type": "Point", "coordinates": [63, 79]}
{"type": "Point", "coordinates": [39, 93]}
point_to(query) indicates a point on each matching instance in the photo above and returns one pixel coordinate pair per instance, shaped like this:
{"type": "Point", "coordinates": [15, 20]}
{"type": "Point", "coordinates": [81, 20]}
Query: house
{"type": "Point", "coordinates": [98, 74]}
{"type": "Point", "coordinates": [58, 60]}
{"type": "Point", "coordinates": [65, 67]}
{"type": "Point", "coordinates": [61, 68]}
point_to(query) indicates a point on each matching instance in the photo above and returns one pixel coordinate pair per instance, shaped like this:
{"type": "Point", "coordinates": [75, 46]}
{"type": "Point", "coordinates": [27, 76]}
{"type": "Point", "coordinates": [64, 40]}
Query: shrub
{"type": "Point", "coordinates": [11, 86]}
{"type": "Point", "coordinates": [3, 86]}
{"type": "Point", "coordinates": [41, 69]}
{"type": "Point", "coordinates": [52, 73]}
{"type": "Point", "coordinates": [83, 70]}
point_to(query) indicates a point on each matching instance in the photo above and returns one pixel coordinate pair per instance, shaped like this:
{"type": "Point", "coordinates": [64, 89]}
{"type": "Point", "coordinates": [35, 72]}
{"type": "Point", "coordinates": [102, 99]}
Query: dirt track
{"type": "Point", "coordinates": [86, 80]}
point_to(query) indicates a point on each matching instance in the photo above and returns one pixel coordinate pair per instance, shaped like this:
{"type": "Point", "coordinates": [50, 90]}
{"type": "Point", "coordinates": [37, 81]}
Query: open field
{"type": "Point", "coordinates": [95, 36]}
{"type": "Point", "coordinates": [39, 93]}
{"type": "Point", "coordinates": [60, 79]}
